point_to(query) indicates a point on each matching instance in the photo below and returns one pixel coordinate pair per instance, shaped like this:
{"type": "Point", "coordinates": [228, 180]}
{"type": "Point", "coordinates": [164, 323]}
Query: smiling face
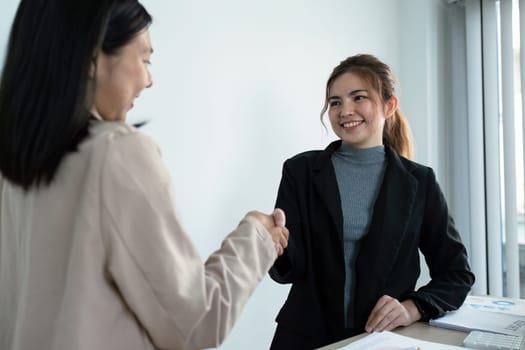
{"type": "Point", "coordinates": [356, 112]}
{"type": "Point", "coordinates": [121, 77]}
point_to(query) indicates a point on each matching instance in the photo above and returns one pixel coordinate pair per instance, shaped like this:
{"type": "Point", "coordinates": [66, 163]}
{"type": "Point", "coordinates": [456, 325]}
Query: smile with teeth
{"type": "Point", "coordinates": [352, 123]}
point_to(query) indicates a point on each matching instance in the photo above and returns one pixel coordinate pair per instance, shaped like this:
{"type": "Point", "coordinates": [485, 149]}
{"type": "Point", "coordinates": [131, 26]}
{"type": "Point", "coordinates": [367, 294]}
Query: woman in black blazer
{"type": "Point", "coordinates": [358, 213]}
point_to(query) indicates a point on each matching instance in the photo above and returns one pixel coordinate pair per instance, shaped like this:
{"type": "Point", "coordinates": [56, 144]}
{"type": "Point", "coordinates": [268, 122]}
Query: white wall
{"type": "Point", "coordinates": [433, 75]}
{"type": "Point", "coordinates": [238, 87]}
{"type": "Point", "coordinates": [433, 72]}
{"type": "Point", "coordinates": [7, 12]}
{"type": "Point", "coordinates": [425, 52]}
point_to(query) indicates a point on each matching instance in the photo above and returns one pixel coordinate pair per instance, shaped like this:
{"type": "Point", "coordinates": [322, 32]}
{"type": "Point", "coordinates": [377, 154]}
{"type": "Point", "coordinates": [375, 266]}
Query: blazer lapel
{"type": "Point", "coordinates": [391, 217]}
{"type": "Point", "coordinates": [325, 184]}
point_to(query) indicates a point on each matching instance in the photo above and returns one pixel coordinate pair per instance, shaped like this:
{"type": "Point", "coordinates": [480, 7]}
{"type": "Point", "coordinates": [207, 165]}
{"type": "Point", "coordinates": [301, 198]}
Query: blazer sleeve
{"type": "Point", "coordinates": [290, 266]}
{"type": "Point", "coordinates": [445, 255]}
{"type": "Point", "coordinates": [181, 301]}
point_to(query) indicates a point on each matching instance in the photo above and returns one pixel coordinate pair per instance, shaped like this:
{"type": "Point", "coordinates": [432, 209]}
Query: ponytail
{"type": "Point", "coordinates": [397, 134]}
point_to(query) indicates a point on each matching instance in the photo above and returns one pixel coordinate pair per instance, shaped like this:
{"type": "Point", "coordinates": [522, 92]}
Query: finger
{"type": "Point", "coordinates": [279, 217]}
{"type": "Point", "coordinates": [286, 233]}
{"type": "Point", "coordinates": [374, 322]}
{"type": "Point", "coordinates": [381, 302]}
{"type": "Point", "coordinates": [385, 322]}
{"type": "Point", "coordinates": [266, 220]}
{"type": "Point", "coordinates": [382, 308]}
{"type": "Point", "coordinates": [398, 316]}
{"type": "Point", "coordinates": [278, 249]}
{"type": "Point", "coordinates": [396, 322]}
{"type": "Point", "coordinates": [374, 314]}
{"type": "Point", "coordinates": [284, 239]}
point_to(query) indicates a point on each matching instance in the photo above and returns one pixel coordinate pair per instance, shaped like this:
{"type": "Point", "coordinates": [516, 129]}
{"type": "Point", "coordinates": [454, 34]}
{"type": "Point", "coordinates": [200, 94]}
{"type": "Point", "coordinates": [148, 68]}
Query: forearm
{"type": "Point", "coordinates": [232, 274]}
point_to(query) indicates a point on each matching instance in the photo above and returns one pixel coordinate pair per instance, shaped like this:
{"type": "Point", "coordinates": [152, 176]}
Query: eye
{"type": "Point", "coordinates": [360, 97]}
{"type": "Point", "coordinates": [334, 103]}
{"type": "Point", "coordinates": [148, 62]}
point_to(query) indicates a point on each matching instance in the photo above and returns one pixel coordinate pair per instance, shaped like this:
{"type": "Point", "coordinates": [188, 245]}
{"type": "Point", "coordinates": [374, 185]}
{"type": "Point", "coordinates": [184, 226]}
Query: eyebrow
{"type": "Point", "coordinates": [350, 94]}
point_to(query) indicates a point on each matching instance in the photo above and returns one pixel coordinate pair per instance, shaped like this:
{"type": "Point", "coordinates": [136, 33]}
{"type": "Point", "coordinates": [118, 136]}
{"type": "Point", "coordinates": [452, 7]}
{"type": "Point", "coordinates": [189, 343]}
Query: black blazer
{"type": "Point", "coordinates": [410, 213]}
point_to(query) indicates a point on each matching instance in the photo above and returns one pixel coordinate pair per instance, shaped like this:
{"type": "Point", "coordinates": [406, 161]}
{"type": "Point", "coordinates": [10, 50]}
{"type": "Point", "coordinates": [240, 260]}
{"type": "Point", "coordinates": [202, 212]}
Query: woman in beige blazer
{"type": "Point", "coordinates": [92, 252]}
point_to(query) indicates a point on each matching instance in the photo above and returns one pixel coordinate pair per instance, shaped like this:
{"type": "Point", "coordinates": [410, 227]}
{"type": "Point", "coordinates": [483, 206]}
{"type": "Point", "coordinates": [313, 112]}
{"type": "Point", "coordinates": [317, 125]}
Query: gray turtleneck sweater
{"type": "Point", "coordinates": [359, 173]}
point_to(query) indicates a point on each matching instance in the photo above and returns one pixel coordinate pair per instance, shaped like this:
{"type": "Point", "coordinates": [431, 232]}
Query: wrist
{"type": "Point", "coordinates": [423, 310]}
{"type": "Point", "coordinates": [412, 309]}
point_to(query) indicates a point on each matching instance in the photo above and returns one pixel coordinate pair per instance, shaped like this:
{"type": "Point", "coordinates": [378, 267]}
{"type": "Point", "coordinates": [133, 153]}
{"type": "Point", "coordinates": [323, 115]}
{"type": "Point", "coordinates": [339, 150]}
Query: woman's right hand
{"type": "Point", "coordinates": [275, 224]}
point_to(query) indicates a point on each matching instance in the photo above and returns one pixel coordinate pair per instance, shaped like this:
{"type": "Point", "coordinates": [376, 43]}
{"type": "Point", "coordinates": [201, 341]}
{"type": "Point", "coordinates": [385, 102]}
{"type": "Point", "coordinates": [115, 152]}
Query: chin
{"type": "Point", "coordinates": [120, 117]}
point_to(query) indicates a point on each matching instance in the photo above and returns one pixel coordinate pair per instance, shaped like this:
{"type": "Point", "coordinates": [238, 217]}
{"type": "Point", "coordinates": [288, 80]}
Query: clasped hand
{"type": "Point", "coordinates": [389, 313]}
{"type": "Point", "coordinates": [275, 224]}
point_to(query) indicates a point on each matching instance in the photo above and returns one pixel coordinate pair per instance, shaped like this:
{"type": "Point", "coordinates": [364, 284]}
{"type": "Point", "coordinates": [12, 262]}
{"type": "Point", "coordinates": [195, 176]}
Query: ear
{"type": "Point", "coordinates": [92, 68]}
{"type": "Point", "coordinates": [390, 106]}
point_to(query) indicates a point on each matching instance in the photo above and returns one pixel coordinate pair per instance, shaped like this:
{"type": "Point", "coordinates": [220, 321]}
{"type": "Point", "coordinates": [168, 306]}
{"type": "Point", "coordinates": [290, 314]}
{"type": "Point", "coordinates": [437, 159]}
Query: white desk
{"type": "Point", "coordinates": [419, 330]}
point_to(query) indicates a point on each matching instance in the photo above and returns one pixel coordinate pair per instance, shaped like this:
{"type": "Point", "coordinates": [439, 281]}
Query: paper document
{"type": "Point", "coordinates": [392, 341]}
{"type": "Point", "coordinates": [498, 315]}
{"type": "Point", "coordinates": [494, 304]}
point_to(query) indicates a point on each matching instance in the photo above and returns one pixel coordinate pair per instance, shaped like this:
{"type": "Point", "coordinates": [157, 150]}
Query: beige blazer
{"type": "Point", "coordinates": [99, 260]}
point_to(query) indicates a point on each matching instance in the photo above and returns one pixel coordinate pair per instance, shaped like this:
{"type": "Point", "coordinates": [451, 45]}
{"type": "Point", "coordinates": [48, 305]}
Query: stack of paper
{"type": "Point", "coordinates": [489, 314]}
{"type": "Point", "coordinates": [393, 341]}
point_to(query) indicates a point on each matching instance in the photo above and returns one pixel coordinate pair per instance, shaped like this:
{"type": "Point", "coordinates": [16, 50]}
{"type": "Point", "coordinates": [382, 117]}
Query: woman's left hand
{"type": "Point", "coordinates": [389, 313]}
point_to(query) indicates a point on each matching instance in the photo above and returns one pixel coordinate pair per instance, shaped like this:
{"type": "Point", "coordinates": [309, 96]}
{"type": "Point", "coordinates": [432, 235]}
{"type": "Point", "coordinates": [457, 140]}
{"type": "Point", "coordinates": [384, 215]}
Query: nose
{"type": "Point", "coordinates": [149, 82]}
{"type": "Point", "coordinates": [347, 109]}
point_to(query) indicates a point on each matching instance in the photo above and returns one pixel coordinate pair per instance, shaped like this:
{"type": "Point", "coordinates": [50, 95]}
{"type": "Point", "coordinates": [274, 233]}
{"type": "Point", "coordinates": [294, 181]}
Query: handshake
{"type": "Point", "coordinates": [275, 224]}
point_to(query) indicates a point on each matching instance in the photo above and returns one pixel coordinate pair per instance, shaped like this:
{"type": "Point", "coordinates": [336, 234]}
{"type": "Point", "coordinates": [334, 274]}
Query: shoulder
{"type": "Point", "coordinates": [115, 132]}
{"type": "Point", "coordinates": [314, 158]}
{"type": "Point", "coordinates": [302, 163]}
{"type": "Point", "coordinates": [414, 168]}
{"type": "Point", "coordinates": [122, 148]}
{"type": "Point", "coordinates": [111, 137]}
{"type": "Point", "coordinates": [304, 157]}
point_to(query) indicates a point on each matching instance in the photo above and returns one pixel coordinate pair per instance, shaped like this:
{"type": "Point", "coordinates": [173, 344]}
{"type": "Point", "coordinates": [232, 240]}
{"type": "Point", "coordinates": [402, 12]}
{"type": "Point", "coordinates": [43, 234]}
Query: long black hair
{"type": "Point", "coordinates": [44, 89]}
